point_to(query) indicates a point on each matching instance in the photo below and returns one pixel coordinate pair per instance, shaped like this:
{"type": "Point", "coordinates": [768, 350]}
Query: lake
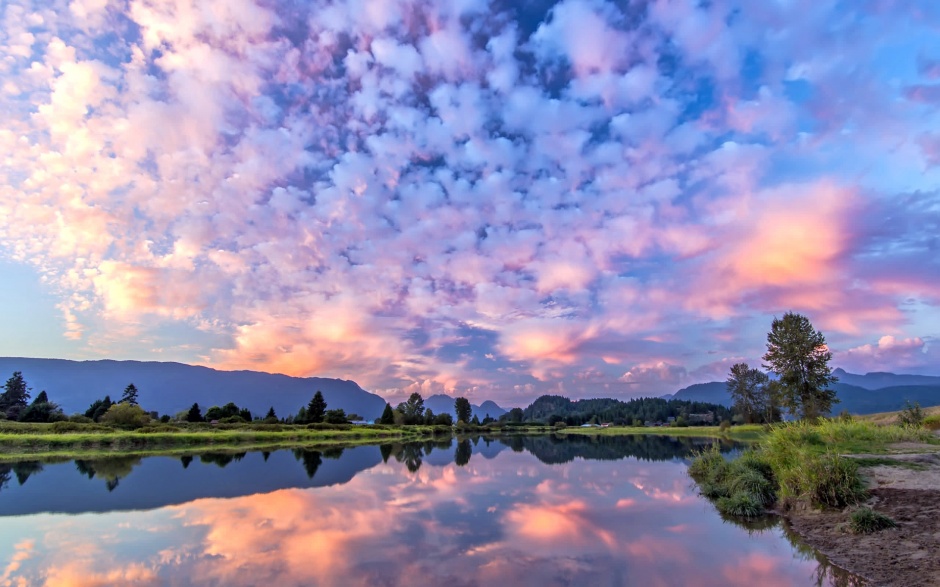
{"type": "Point", "coordinates": [513, 511]}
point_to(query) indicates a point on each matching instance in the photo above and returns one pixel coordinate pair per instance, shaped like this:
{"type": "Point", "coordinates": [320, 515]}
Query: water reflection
{"type": "Point", "coordinates": [492, 511]}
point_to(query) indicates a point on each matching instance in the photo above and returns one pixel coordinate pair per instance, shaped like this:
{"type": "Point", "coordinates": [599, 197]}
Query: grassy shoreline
{"type": "Point", "coordinates": [18, 442]}
{"type": "Point", "coordinates": [799, 464]}
{"type": "Point", "coordinates": [747, 433]}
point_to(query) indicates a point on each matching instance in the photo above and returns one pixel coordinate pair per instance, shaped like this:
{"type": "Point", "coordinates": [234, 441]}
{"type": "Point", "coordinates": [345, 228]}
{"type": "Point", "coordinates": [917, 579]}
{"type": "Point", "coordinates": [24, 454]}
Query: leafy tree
{"type": "Point", "coordinates": [301, 417]}
{"type": "Point", "coordinates": [126, 415]}
{"type": "Point", "coordinates": [130, 395]}
{"type": "Point", "coordinates": [99, 408]}
{"type": "Point", "coordinates": [475, 421]}
{"type": "Point", "coordinates": [413, 409]}
{"type": "Point", "coordinates": [746, 387]}
{"type": "Point", "coordinates": [245, 414]}
{"type": "Point", "coordinates": [443, 420]}
{"type": "Point", "coordinates": [428, 416]}
{"type": "Point", "coordinates": [798, 354]}
{"type": "Point", "coordinates": [335, 417]}
{"type": "Point", "coordinates": [387, 416]}
{"type": "Point", "coordinates": [463, 409]}
{"type": "Point", "coordinates": [15, 398]}
{"type": "Point", "coordinates": [515, 415]}
{"type": "Point", "coordinates": [316, 409]}
{"type": "Point", "coordinates": [194, 414]}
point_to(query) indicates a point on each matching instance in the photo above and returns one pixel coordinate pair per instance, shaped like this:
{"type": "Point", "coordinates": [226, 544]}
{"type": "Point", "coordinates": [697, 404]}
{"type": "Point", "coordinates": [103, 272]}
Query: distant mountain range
{"type": "Point", "coordinates": [444, 404]}
{"type": "Point", "coordinates": [172, 387]}
{"type": "Point", "coordinates": [858, 394]}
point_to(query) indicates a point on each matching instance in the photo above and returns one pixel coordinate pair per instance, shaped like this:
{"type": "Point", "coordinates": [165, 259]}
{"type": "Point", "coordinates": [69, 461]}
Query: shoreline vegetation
{"type": "Point", "coordinates": [66, 439]}
{"type": "Point", "coordinates": [823, 478]}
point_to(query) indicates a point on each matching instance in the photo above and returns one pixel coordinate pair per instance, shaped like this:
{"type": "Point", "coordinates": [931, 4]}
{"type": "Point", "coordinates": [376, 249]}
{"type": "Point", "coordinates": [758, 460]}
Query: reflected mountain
{"type": "Point", "coordinates": [553, 450]}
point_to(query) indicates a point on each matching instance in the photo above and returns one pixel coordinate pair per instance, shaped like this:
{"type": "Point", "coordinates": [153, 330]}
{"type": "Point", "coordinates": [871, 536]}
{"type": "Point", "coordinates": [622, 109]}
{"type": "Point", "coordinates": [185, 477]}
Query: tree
{"type": "Point", "coordinates": [515, 415]}
{"type": "Point", "coordinates": [463, 453]}
{"type": "Point", "coordinates": [194, 414]}
{"type": "Point", "coordinates": [463, 409]}
{"type": "Point", "coordinates": [15, 398]}
{"type": "Point", "coordinates": [316, 409]}
{"type": "Point", "coordinates": [126, 415]}
{"type": "Point", "coordinates": [99, 408]}
{"type": "Point", "coordinates": [335, 417]}
{"type": "Point", "coordinates": [270, 417]}
{"type": "Point", "coordinates": [798, 355]}
{"type": "Point", "coordinates": [413, 409]}
{"type": "Point", "coordinates": [388, 417]}
{"type": "Point", "coordinates": [42, 410]}
{"type": "Point", "coordinates": [130, 395]}
{"type": "Point", "coordinates": [746, 387]}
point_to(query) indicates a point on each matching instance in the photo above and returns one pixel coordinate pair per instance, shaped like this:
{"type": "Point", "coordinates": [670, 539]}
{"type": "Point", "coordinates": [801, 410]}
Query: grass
{"type": "Point", "coordinates": [746, 433]}
{"type": "Point", "coordinates": [21, 440]}
{"type": "Point", "coordinates": [866, 520]}
{"type": "Point", "coordinates": [885, 462]}
{"type": "Point", "coordinates": [931, 420]}
{"type": "Point", "coordinates": [798, 462]}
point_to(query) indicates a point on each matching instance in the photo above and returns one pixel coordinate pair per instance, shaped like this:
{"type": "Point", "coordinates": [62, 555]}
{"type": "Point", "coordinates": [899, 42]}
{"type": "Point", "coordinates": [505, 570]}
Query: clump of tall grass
{"type": "Point", "coordinates": [743, 487]}
{"type": "Point", "coordinates": [866, 520]}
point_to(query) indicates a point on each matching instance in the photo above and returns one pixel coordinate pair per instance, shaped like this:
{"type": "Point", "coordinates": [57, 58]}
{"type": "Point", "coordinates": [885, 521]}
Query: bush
{"type": "Point", "coordinates": [831, 480]}
{"type": "Point", "coordinates": [866, 520]}
{"type": "Point", "coordinates": [125, 415]}
{"type": "Point", "coordinates": [911, 415]}
{"type": "Point", "coordinates": [724, 426]}
{"type": "Point", "coordinates": [80, 419]}
{"type": "Point", "coordinates": [560, 425]}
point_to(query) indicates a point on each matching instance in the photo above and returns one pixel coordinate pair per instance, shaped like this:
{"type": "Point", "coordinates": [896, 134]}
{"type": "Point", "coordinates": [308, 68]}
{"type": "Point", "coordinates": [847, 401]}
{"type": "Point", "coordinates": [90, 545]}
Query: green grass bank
{"type": "Point", "coordinates": [798, 463]}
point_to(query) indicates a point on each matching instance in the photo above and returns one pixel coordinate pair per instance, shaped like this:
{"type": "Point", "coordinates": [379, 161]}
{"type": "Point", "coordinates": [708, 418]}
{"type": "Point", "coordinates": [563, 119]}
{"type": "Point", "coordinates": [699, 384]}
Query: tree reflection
{"type": "Point", "coordinates": [222, 459]}
{"type": "Point", "coordinates": [412, 455]}
{"type": "Point", "coordinates": [111, 469]}
{"type": "Point", "coordinates": [554, 449]}
{"type": "Point", "coordinates": [463, 453]}
{"type": "Point", "coordinates": [311, 460]}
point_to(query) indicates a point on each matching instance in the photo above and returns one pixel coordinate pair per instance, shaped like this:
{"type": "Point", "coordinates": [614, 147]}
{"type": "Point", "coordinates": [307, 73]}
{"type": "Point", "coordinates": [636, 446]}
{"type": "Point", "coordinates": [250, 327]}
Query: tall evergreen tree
{"type": "Point", "coordinates": [798, 354]}
{"type": "Point", "coordinates": [99, 408]}
{"type": "Point", "coordinates": [15, 397]}
{"type": "Point", "coordinates": [130, 395]}
{"type": "Point", "coordinates": [388, 417]}
{"type": "Point", "coordinates": [270, 417]}
{"type": "Point", "coordinates": [194, 414]}
{"type": "Point", "coordinates": [316, 408]}
{"type": "Point", "coordinates": [463, 409]}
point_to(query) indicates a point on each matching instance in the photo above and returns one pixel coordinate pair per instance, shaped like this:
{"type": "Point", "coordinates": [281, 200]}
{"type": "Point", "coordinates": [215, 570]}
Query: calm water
{"type": "Point", "coordinates": [521, 511]}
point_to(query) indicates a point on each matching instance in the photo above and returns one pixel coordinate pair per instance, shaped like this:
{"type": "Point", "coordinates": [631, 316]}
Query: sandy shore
{"type": "Point", "coordinates": [905, 556]}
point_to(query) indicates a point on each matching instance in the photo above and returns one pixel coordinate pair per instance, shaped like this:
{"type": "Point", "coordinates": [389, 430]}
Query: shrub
{"type": "Point", "coordinates": [741, 504]}
{"type": "Point", "coordinates": [866, 520]}
{"type": "Point", "coordinates": [125, 415]}
{"type": "Point", "coordinates": [724, 426]}
{"type": "Point", "coordinates": [831, 480]}
{"type": "Point", "coordinates": [80, 419]}
{"type": "Point", "coordinates": [160, 428]}
{"type": "Point", "coordinates": [560, 425]}
{"type": "Point", "coordinates": [66, 427]}
{"type": "Point", "coordinates": [911, 415]}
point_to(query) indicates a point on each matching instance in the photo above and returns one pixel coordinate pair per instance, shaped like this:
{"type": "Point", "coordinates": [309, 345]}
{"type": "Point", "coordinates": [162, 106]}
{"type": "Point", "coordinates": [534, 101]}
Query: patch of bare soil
{"type": "Point", "coordinates": [905, 556]}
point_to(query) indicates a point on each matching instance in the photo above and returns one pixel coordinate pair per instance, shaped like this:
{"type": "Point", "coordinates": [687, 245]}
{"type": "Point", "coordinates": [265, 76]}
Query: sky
{"type": "Point", "coordinates": [492, 199]}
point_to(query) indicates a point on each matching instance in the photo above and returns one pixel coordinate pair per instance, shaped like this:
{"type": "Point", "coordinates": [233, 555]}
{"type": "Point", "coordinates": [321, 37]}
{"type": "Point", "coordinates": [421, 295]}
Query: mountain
{"type": "Point", "coordinates": [854, 397]}
{"type": "Point", "coordinates": [172, 387]}
{"type": "Point", "coordinates": [715, 392]}
{"type": "Point", "coordinates": [881, 380]}
{"type": "Point", "coordinates": [444, 404]}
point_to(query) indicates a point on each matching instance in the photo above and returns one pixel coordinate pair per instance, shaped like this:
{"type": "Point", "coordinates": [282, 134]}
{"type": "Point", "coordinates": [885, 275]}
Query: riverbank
{"type": "Point", "coordinates": [822, 478]}
{"type": "Point", "coordinates": [745, 433]}
{"type": "Point", "coordinates": [28, 441]}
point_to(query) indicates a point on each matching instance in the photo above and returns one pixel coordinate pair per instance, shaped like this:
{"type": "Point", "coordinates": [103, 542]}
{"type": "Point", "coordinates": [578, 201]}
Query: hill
{"type": "Point", "coordinates": [854, 398]}
{"type": "Point", "coordinates": [444, 404]}
{"type": "Point", "coordinates": [171, 387]}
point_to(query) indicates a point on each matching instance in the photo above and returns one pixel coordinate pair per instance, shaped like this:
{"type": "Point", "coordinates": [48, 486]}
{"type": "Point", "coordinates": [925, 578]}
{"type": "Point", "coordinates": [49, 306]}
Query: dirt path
{"type": "Point", "coordinates": [910, 494]}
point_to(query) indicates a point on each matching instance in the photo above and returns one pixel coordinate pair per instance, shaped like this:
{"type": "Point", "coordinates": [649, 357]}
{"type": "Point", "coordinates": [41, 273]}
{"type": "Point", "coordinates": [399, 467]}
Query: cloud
{"type": "Point", "coordinates": [345, 188]}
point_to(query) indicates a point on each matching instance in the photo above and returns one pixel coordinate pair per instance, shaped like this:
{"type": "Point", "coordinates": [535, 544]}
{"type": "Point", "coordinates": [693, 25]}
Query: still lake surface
{"type": "Point", "coordinates": [515, 511]}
